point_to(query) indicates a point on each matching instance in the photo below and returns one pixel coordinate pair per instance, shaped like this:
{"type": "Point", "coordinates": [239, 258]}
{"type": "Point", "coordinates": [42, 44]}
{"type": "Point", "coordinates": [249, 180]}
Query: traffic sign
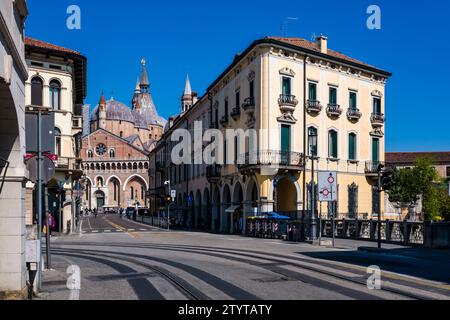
{"type": "Point", "coordinates": [173, 194]}
{"type": "Point", "coordinates": [48, 169]}
{"type": "Point", "coordinates": [328, 187]}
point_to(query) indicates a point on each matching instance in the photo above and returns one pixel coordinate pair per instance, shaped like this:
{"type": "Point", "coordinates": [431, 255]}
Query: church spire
{"type": "Point", "coordinates": [137, 89]}
{"type": "Point", "coordinates": [187, 87]}
{"type": "Point", "coordinates": [145, 84]}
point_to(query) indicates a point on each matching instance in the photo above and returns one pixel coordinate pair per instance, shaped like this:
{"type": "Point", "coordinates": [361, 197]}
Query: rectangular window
{"type": "Point", "coordinates": [352, 201]}
{"type": "Point", "coordinates": [252, 89]}
{"type": "Point", "coordinates": [377, 106]}
{"type": "Point", "coordinates": [376, 150]}
{"type": "Point", "coordinates": [353, 100]}
{"type": "Point", "coordinates": [226, 108]}
{"type": "Point", "coordinates": [352, 146]}
{"type": "Point", "coordinates": [312, 91]}
{"type": "Point", "coordinates": [238, 99]}
{"type": "Point", "coordinates": [333, 96]}
{"type": "Point", "coordinates": [376, 200]}
{"type": "Point", "coordinates": [286, 90]}
{"type": "Point", "coordinates": [333, 144]}
{"type": "Point", "coordinates": [285, 138]}
{"type": "Point", "coordinates": [448, 172]}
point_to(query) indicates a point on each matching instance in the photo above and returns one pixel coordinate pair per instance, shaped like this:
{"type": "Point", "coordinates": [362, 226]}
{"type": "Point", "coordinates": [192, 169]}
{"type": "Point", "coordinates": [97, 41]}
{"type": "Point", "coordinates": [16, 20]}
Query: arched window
{"type": "Point", "coordinates": [352, 146]}
{"type": "Point", "coordinates": [121, 134]}
{"type": "Point", "coordinates": [37, 86]}
{"type": "Point", "coordinates": [132, 193]}
{"type": "Point", "coordinates": [55, 95]}
{"type": "Point", "coordinates": [112, 153]}
{"type": "Point", "coordinates": [90, 154]}
{"type": "Point", "coordinates": [333, 144]}
{"type": "Point", "coordinates": [142, 193]}
{"type": "Point", "coordinates": [116, 190]}
{"type": "Point", "coordinates": [99, 182]}
{"type": "Point", "coordinates": [57, 141]}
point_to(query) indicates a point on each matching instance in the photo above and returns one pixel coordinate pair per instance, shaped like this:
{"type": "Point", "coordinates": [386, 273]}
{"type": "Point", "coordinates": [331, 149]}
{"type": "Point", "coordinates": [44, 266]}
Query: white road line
{"type": "Point", "coordinates": [143, 229]}
{"type": "Point", "coordinates": [94, 231]}
{"type": "Point", "coordinates": [129, 230]}
{"type": "Point", "coordinates": [107, 231]}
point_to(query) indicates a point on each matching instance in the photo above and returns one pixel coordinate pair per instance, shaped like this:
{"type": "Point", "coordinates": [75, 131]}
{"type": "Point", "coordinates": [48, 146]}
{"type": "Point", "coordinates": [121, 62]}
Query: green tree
{"type": "Point", "coordinates": [420, 181]}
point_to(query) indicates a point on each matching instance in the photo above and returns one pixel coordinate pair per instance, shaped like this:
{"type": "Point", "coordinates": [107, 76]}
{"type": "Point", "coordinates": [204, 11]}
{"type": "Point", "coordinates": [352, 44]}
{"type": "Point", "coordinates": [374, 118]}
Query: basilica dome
{"type": "Point", "coordinates": [115, 110]}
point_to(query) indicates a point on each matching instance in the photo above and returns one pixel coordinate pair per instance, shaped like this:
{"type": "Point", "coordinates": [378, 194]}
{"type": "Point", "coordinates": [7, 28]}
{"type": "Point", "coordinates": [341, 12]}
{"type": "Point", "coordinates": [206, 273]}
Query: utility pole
{"type": "Point", "coordinates": [47, 234]}
{"type": "Point", "coordinates": [380, 168]}
{"type": "Point", "coordinates": [39, 193]}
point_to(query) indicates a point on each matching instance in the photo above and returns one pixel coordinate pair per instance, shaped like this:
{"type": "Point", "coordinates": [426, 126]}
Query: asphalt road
{"type": "Point", "coordinates": [123, 260]}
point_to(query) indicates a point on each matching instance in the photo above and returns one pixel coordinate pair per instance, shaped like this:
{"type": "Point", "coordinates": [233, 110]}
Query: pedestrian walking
{"type": "Point", "coordinates": [95, 213]}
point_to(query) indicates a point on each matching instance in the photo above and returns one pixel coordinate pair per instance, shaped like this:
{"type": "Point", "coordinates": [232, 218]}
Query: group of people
{"type": "Point", "coordinates": [89, 212]}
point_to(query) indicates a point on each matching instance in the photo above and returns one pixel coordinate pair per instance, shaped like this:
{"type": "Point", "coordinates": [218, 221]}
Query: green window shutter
{"type": "Point", "coordinates": [286, 86]}
{"type": "Point", "coordinates": [375, 150]}
{"type": "Point", "coordinates": [285, 138]}
{"type": "Point", "coordinates": [352, 146]}
{"type": "Point", "coordinates": [333, 96]}
{"type": "Point", "coordinates": [312, 92]}
{"type": "Point", "coordinates": [353, 100]}
{"type": "Point", "coordinates": [377, 106]}
{"type": "Point", "coordinates": [333, 144]}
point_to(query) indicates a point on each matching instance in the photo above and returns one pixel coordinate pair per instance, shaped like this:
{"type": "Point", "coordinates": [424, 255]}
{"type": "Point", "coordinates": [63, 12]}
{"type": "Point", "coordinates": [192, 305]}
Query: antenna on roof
{"type": "Point", "coordinates": [285, 26]}
{"type": "Point", "coordinates": [313, 37]}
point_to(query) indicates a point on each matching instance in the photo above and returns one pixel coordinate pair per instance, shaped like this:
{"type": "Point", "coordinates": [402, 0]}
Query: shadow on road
{"type": "Point", "coordinates": [417, 262]}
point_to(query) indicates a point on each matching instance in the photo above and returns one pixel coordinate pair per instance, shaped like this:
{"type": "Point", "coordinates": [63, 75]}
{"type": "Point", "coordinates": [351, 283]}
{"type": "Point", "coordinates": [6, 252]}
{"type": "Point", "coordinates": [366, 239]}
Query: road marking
{"type": "Point", "coordinates": [122, 229]}
{"type": "Point", "coordinates": [94, 231]}
{"type": "Point", "coordinates": [131, 230]}
{"type": "Point", "coordinates": [143, 229]}
{"type": "Point", "coordinates": [107, 231]}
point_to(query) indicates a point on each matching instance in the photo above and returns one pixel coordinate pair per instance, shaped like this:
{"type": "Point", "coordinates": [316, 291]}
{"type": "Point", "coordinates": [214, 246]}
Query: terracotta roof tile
{"type": "Point", "coordinates": [299, 42]}
{"type": "Point", "coordinates": [410, 157]}
{"type": "Point", "coordinates": [46, 45]}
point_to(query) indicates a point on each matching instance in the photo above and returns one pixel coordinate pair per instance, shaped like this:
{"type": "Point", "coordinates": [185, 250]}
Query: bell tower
{"type": "Point", "coordinates": [102, 113]}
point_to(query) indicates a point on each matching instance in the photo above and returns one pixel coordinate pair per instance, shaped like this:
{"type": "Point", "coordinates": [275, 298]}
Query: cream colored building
{"type": "Point", "coordinates": [282, 88]}
{"type": "Point", "coordinates": [57, 80]}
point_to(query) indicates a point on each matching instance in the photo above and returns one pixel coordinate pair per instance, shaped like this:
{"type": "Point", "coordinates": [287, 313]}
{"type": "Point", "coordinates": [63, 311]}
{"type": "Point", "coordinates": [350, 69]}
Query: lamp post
{"type": "Point", "coordinates": [312, 136]}
{"type": "Point", "coordinates": [167, 183]}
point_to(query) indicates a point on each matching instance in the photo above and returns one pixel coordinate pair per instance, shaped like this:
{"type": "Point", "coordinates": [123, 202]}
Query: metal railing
{"type": "Point", "coordinates": [354, 114]}
{"type": "Point", "coordinates": [249, 104]}
{"type": "Point", "coordinates": [377, 119]}
{"type": "Point", "coordinates": [271, 158]}
{"type": "Point", "coordinates": [313, 106]}
{"type": "Point", "coordinates": [287, 100]}
{"type": "Point", "coordinates": [372, 166]}
{"type": "Point", "coordinates": [334, 110]}
{"type": "Point", "coordinates": [236, 113]}
{"type": "Point", "coordinates": [224, 120]}
{"type": "Point", "coordinates": [401, 232]}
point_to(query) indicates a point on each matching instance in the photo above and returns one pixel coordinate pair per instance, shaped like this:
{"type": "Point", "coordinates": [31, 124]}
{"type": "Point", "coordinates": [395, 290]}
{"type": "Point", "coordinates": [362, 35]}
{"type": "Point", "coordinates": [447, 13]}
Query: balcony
{"type": "Point", "coordinates": [377, 119]}
{"type": "Point", "coordinates": [224, 121]}
{"type": "Point", "coordinates": [287, 160]}
{"type": "Point", "coordinates": [334, 110]}
{"type": "Point", "coordinates": [371, 169]}
{"type": "Point", "coordinates": [313, 106]}
{"type": "Point", "coordinates": [236, 113]}
{"type": "Point", "coordinates": [249, 105]}
{"type": "Point", "coordinates": [287, 103]}
{"type": "Point", "coordinates": [354, 114]}
{"type": "Point", "coordinates": [213, 173]}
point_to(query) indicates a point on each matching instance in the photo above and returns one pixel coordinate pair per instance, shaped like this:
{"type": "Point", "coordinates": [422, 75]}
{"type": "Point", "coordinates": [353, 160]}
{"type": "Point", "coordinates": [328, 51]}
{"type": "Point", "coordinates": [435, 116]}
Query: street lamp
{"type": "Point", "coordinates": [312, 136]}
{"type": "Point", "coordinates": [167, 183]}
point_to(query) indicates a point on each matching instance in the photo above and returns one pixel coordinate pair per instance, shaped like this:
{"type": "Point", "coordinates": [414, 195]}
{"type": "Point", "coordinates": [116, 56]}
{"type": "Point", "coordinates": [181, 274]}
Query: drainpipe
{"type": "Point", "coordinates": [210, 184]}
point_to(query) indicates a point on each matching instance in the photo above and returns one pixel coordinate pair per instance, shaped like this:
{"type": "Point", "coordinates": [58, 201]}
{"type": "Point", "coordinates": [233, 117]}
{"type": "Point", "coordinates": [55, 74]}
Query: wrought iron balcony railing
{"type": "Point", "coordinates": [334, 110]}
{"type": "Point", "coordinates": [354, 114]}
{"type": "Point", "coordinates": [287, 101]}
{"type": "Point", "coordinates": [271, 158]}
{"type": "Point", "coordinates": [313, 106]}
{"type": "Point", "coordinates": [214, 125]}
{"type": "Point", "coordinates": [377, 119]}
{"type": "Point", "coordinates": [236, 113]}
{"type": "Point", "coordinates": [372, 167]}
{"type": "Point", "coordinates": [249, 104]}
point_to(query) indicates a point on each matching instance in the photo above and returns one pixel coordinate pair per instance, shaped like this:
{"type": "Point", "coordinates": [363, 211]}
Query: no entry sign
{"type": "Point", "coordinates": [328, 186]}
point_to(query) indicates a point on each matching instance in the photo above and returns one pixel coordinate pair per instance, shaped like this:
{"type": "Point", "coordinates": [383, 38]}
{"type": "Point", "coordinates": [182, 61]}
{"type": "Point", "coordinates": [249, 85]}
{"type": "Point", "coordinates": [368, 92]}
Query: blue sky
{"type": "Point", "coordinates": [202, 37]}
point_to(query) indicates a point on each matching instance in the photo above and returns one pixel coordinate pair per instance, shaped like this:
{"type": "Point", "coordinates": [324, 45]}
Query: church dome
{"type": "Point", "coordinates": [139, 120]}
{"type": "Point", "coordinates": [115, 110]}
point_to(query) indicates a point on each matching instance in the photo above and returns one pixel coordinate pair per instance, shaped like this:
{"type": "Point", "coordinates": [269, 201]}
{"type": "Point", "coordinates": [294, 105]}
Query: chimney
{"type": "Point", "coordinates": [322, 42]}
